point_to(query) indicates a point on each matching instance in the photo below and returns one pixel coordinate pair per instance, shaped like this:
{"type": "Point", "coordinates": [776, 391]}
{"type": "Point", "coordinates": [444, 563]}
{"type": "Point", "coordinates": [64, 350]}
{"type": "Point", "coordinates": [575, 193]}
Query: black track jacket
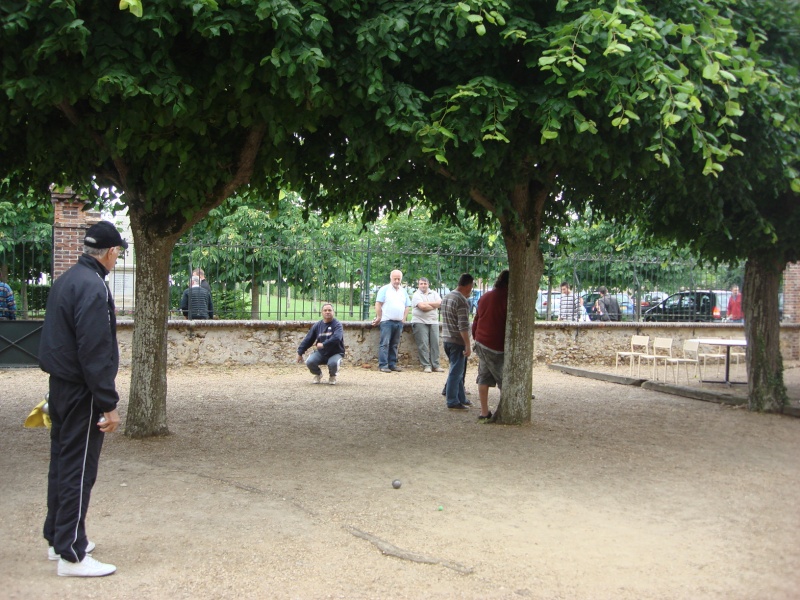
{"type": "Point", "coordinates": [79, 337]}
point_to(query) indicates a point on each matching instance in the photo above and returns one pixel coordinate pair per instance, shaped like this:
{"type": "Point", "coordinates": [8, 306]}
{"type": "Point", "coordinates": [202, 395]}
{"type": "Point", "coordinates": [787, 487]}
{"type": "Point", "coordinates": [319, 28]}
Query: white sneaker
{"type": "Point", "coordinates": [51, 552]}
{"type": "Point", "coordinates": [332, 380]}
{"type": "Point", "coordinates": [88, 567]}
{"type": "Point", "coordinates": [427, 370]}
{"type": "Point", "coordinates": [317, 378]}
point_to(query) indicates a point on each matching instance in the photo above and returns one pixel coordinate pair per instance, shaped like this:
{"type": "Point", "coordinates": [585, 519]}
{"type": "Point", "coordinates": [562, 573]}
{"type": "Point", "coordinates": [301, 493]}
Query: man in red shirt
{"type": "Point", "coordinates": [489, 333]}
{"type": "Point", "coordinates": [735, 313]}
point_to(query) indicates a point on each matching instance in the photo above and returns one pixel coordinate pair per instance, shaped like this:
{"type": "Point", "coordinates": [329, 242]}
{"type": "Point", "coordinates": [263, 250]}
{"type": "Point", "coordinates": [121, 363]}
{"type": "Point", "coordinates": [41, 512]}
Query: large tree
{"type": "Point", "coordinates": [521, 112]}
{"type": "Point", "coordinates": [752, 210]}
{"type": "Point", "coordinates": [176, 110]}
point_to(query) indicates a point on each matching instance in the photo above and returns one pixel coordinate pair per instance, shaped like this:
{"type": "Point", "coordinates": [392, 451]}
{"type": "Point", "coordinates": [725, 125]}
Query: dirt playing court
{"type": "Point", "coordinates": [270, 487]}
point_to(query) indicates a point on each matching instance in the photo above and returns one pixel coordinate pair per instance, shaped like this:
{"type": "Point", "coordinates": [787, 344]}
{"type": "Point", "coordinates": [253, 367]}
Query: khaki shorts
{"type": "Point", "coordinates": [490, 367]}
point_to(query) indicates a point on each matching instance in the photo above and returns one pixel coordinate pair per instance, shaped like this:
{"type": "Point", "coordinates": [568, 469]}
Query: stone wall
{"type": "Point", "coordinates": [270, 342]}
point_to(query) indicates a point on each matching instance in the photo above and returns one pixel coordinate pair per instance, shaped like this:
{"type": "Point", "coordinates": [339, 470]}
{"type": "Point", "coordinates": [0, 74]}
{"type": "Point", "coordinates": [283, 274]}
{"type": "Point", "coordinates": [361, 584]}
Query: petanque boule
{"type": "Point", "coordinates": [46, 408]}
{"type": "Point", "coordinates": [396, 483]}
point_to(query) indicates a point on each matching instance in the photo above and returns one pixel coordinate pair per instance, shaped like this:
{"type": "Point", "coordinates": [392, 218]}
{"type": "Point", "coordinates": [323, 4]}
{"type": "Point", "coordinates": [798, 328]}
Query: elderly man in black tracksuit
{"type": "Point", "coordinates": [79, 350]}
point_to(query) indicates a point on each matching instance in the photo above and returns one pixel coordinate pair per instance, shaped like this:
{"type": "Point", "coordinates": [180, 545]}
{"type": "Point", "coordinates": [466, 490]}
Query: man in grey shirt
{"type": "Point", "coordinates": [455, 335]}
{"type": "Point", "coordinates": [425, 325]}
{"type": "Point", "coordinates": [571, 306]}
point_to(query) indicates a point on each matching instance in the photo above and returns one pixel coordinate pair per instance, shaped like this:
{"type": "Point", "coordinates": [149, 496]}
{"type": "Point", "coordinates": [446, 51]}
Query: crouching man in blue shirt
{"type": "Point", "coordinates": [327, 338]}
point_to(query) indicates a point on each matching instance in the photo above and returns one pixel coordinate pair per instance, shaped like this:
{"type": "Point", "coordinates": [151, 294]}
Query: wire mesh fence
{"type": "Point", "coordinates": [283, 282]}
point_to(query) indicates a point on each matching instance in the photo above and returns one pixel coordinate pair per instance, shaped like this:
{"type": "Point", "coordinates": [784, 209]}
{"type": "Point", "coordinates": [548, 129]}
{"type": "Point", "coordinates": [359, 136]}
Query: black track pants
{"type": "Point", "coordinates": [75, 443]}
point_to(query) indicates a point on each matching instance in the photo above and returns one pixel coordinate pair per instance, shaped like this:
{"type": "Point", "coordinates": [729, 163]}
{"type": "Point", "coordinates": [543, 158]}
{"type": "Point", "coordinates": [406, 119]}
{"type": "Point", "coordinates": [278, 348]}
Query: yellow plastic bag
{"type": "Point", "coordinates": [38, 418]}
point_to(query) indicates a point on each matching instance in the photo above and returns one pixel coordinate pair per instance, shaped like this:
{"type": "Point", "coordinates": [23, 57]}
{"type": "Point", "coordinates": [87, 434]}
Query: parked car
{"type": "Point", "coordinates": [545, 300]}
{"type": "Point", "coordinates": [652, 298]}
{"type": "Point", "coordinates": [624, 300]}
{"type": "Point", "coordinates": [686, 306]}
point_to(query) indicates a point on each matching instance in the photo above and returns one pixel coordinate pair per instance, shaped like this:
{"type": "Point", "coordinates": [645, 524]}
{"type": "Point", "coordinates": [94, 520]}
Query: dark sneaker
{"type": "Point", "coordinates": [467, 403]}
{"type": "Point", "coordinates": [395, 368]}
{"type": "Point", "coordinates": [457, 407]}
{"type": "Point", "coordinates": [485, 417]}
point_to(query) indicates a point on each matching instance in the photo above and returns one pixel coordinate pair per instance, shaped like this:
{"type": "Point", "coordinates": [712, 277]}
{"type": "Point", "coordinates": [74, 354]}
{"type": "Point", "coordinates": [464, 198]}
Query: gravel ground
{"type": "Point", "coordinates": [270, 487]}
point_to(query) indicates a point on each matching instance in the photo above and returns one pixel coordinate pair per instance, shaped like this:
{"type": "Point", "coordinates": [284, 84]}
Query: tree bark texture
{"type": "Point", "coordinates": [526, 265]}
{"type": "Point", "coordinates": [766, 388]}
{"type": "Point", "coordinates": [147, 403]}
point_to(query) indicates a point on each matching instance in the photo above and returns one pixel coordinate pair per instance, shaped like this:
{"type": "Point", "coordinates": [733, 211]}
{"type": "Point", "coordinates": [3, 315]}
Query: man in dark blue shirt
{"type": "Point", "coordinates": [327, 338]}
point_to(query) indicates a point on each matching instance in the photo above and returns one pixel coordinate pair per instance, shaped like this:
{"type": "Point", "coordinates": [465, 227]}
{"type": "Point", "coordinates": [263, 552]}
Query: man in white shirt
{"type": "Point", "coordinates": [391, 309]}
{"type": "Point", "coordinates": [425, 324]}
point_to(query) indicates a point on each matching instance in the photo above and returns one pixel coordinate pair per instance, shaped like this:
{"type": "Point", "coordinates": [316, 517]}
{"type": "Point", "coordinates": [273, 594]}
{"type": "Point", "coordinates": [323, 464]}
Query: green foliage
{"type": "Point", "coordinates": [37, 297]}
{"type": "Point", "coordinates": [231, 304]}
{"type": "Point", "coordinates": [163, 107]}
{"type": "Point", "coordinates": [249, 240]}
{"type": "Point", "coordinates": [754, 205]}
{"type": "Point", "coordinates": [592, 250]}
{"type": "Point", "coordinates": [26, 234]}
{"type": "Point", "coordinates": [135, 6]}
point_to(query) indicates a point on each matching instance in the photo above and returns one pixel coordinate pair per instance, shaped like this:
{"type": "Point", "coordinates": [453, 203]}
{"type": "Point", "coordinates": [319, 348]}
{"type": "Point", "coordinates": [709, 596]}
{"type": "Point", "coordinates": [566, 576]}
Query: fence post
{"type": "Point", "coordinates": [365, 305]}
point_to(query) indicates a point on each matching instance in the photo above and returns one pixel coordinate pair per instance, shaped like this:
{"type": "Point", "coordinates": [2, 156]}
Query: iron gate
{"type": "Point", "coordinates": [19, 343]}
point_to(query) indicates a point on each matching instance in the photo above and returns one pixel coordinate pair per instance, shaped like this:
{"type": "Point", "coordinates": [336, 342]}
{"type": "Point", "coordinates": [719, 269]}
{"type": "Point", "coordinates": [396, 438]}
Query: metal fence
{"type": "Point", "coordinates": [26, 264]}
{"type": "Point", "coordinates": [280, 282]}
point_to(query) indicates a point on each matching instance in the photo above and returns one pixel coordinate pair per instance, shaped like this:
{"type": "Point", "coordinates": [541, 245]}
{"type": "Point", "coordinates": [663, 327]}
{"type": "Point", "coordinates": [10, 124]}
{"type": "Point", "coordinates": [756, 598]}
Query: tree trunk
{"type": "Point", "coordinates": [526, 266]}
{"type": "Point", "coordinates": [255, 301]}
{"type": "Point", "coordinates": [147, 403]}
{"type": "Point", "coordinates": [762, 276]}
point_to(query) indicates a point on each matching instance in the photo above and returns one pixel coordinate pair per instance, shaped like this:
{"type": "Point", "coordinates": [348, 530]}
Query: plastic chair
{"type": "Point", "coordinates": [690, 350]}
{"type": "Point", "coordinates": [738, 355]}
{"type": "Point", "coordinates": [718, 356]}
{"type": "Point", "coordinates": [662, 350]}
{"type": "Point", "coordinates": [640, 344]}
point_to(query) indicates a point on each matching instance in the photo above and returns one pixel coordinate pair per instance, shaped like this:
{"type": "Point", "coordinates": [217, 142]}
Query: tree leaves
{"type": "Point", "coordinates": [135, 6]}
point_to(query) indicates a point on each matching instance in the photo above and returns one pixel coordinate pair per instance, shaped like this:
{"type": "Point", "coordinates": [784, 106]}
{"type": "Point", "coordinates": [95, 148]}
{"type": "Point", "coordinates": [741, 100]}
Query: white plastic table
{"type": "Point", "coordinates": [728, 343]}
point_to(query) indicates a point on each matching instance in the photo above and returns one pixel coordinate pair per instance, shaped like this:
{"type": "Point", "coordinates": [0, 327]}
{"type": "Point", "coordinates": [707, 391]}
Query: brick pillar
{"type": "Point", "coordinates": [69, 224]}
{"type": "Point", "coordinates": [791, 293]}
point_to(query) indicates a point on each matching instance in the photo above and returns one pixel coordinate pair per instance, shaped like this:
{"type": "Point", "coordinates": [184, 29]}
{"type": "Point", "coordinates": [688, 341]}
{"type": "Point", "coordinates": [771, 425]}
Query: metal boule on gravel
{"type": "Point", "coordinates": [396, 483]}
